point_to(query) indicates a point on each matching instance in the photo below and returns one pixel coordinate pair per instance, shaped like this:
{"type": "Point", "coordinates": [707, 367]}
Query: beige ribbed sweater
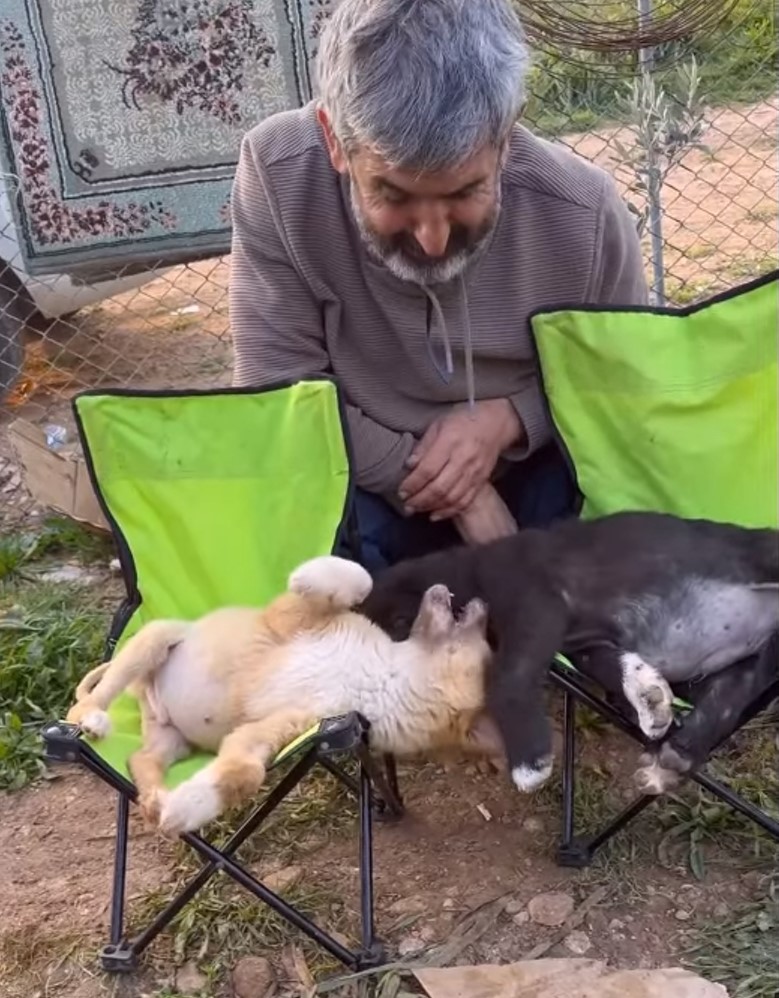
{"type": "Point", "coordinates": [306, 298]}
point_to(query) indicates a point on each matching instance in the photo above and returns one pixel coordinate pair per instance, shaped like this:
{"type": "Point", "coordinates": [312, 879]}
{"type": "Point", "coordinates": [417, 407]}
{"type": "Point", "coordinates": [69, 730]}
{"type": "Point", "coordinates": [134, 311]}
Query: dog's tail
{"type": "Point", "coordinates": [344, 583]}
{"type": "Point", "coordinates": [140, 658]}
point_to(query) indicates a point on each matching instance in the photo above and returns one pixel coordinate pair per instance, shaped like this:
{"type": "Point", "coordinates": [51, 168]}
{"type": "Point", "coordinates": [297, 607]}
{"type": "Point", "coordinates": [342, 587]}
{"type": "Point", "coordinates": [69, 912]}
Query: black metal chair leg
{"type": "Point", "coordinates": [618, 823]}
{"type": "Point", "coordinates": [737, 802]}
{"type": "Point", "coordinates": [569, 767]}
{"type": "Point", "coordinates": [372, 952]}
{"type": "Point", "coordinates": [255, 819]}
{"type": "Point", "coordinates": [115, 956]}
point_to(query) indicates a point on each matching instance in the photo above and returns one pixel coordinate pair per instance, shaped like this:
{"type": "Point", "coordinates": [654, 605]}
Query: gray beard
{"type": "Point", "coordinates": [407, 270]}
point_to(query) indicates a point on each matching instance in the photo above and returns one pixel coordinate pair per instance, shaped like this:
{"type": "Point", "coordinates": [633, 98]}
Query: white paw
{"type": "Point", "coordinates": [96, 724]}
{"type": "Point", "coordinates": [649, 694]}
{"type": "Point", "coordinates": [344, 582]}
{"type": "Point", "coordinates": [191, 805]}
{"type": "Point", "coordinates": [654, 779]}
{"type": "Point", "coordinates": [529, 778]}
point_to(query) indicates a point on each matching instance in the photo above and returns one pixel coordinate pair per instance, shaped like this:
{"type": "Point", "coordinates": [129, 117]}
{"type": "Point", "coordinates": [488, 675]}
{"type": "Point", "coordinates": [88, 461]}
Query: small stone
{"type": "Point", "coordinates": [521, 918]}
{"type": "Point", "coordinates": [253, 977]}
{"type": "Point", "coordinates": [448, 904]}
{"type": "Point", "coordinates": [551, 909]}
{"type": "Point", "coordinates": [578, 943]}
{"type": "Point", "coordinates": [513, 905]}
{"type": "Point", "coordinates": [681, 915]}
{"type": "Point", "coordinates": [189, 980]}
{"type": "Point", "coordinates": [68, 573]}
{"type": "Point", "coordinates": [409, 945]}
{"type": "Point", "coordinates": [533, 825]}
{"type": "Point", "coordinates": [408, 906]}
{"type": "Point", "coordinates": [283, 879]}
{"type": "Point", "coordinates": [615, 925]}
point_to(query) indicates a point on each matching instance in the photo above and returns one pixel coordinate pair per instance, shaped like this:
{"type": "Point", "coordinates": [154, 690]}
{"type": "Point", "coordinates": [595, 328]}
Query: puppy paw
{"type": "Point", "coordinates": [653, 778]}
{"type": "Point", "coordinates": [649, 694]}
{"type": "Point", "coordinates": [94, 722]}
{"type": "Point", "coordinates": [190, 806]}
{"type": "Point", "coordinates": [529, 778]}
{"type": "Point", "coordinates": [150, 804]}
{"type": "Point", "coordinates": [672, 758]}
{"type": "Point", "coordinates": [344, 582]}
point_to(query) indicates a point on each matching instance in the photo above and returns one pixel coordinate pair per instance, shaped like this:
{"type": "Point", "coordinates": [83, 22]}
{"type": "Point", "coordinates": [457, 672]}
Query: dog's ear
{"type": "Point", "coordinates": [434, 621]}
{"type": "Point", "coordinates": [474, 618]}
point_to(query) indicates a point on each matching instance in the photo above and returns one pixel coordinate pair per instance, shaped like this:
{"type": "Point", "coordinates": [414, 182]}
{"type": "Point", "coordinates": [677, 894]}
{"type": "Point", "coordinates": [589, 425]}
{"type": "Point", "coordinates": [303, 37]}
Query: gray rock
{"type": "Point", "coordinates": [189, 980]}
{"type": "Point", "coordinates": [253, 977]}
{"type": "Point", "coordinates": [578, 943]}
{"type": "Point", "coordinates": [550, 909]}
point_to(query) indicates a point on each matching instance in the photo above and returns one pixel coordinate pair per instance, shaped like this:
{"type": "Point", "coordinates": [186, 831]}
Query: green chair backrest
{"type": "Point", "coordinates": [214, 497]}
{"type": "Point", "coordinates": [672, 410]}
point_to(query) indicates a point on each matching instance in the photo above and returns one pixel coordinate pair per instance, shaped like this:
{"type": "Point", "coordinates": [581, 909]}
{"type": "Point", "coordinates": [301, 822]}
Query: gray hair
{"type": "Point", "coordinates": [423, 83]}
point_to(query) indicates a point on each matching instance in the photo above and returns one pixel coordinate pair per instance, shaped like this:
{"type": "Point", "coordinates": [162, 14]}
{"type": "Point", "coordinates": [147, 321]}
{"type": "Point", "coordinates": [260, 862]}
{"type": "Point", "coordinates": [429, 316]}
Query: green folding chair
{"type": "Point", "coordinates": [213, 498]}
{"type": "Point", "coordinates": [671, 410]}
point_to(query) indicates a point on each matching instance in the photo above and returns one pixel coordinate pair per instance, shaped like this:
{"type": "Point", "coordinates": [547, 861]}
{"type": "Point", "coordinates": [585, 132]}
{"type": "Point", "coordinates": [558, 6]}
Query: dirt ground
{"type": "Point", "coordinates": [467, 840]}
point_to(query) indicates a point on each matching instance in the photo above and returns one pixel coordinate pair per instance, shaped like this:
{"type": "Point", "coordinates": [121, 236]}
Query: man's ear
{"type": "Point", "coordinates": [334, 147]}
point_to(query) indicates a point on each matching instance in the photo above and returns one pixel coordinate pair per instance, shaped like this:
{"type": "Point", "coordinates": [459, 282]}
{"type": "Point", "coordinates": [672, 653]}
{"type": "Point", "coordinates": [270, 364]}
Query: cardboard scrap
{"type": "Point", "coordinates": [563, 978]}
{"type": "Point", "coordinates": [57, 480]}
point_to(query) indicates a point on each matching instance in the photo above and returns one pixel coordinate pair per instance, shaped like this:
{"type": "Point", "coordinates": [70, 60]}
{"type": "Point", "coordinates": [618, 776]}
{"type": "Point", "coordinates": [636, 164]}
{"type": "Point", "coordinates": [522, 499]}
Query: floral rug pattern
{"type": "Point", "coordinates": [122, 119]}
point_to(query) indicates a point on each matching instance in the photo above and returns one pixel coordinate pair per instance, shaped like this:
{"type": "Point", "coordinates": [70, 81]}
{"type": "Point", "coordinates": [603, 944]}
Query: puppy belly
{"type": "Point", "coordinates": [195, 702]}
{"type": "Point", "coordinates": [713, 626]}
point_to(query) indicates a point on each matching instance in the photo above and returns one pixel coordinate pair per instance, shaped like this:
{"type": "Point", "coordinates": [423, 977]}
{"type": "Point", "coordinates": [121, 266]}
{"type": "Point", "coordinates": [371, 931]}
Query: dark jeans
{"type": "Point", "coordinates": [537, 491]}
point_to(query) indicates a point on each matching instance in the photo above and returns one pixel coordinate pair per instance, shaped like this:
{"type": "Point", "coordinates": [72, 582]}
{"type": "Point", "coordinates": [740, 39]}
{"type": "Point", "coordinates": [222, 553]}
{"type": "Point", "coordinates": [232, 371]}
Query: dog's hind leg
{"type": "Point", "coordinates": [648, 693]}
{"type": "Point", "coordinates": [238, 771]}
{"type": "Point", "coordinates": [162, 746]}
{"type": "Point", "coordinates": [143, 654]}
{"type": "Point", "coordinates": [721, 702]}
{"type": "Point", "coordinates": [531, 631]}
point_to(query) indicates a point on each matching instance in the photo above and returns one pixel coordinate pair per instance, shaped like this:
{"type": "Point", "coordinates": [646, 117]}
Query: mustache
{"type": "Point", "coordinates": [461, 240]}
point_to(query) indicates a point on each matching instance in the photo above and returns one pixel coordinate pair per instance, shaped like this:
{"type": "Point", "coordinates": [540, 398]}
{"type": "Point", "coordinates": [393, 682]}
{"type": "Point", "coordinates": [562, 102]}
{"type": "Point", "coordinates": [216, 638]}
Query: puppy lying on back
{"type": "Point", "coordinates": [660, 599]}
{"type": "Point", "coordinates": [244, 682]}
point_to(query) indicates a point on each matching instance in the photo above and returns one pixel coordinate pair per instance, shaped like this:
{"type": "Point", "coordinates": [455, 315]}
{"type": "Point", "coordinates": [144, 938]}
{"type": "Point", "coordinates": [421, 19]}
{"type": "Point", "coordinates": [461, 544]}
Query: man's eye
{"type": "Point", "coordinates": [395, 197]}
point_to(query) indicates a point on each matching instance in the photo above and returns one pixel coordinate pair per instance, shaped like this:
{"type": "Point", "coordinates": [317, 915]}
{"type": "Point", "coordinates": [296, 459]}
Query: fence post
{"type": "Point", "coordinates": [646, 61]}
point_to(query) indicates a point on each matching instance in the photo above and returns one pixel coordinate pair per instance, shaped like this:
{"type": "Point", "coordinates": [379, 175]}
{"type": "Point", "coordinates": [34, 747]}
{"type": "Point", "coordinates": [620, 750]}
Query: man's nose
{"type": "Point", "coordinates": [432, 233]}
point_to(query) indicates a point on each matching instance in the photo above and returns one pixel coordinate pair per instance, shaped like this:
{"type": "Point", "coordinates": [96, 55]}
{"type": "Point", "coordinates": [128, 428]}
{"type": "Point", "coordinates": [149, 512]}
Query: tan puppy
{"type": "Point", "coordinates": [244, 682]}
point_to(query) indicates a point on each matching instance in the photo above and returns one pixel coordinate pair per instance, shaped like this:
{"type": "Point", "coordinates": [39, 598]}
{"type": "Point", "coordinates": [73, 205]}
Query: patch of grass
{"type": "Point", "coordinates": [49, 637]}
{"type": "Point", "coordinates": [30, 959]}
{"type": "Point", "coordinates": [700, 251]}
{"type": "Point", "coordinates": [697, 827]}
{"type": "Point", "coordinates": [763, 213]}
{"type": "Point", "coordinates": [687, 292]}
{"type": "Point", "coordinates": [224, 922]}
{"type": "Point", "coordinates": [742, 951]}
{"type": "Point", "coordinates": [747, 268]}
{"type": "Point", "coordinates": [55, 536]}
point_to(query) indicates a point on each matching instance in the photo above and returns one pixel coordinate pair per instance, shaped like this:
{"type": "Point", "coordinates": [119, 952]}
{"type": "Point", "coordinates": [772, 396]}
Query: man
{"type": "Point", "coordinates": [397, 233]}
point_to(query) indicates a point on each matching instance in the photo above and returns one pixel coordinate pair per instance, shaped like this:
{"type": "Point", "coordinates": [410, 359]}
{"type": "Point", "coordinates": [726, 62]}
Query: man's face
{"type": "Point", "coordinates": [426, 227]}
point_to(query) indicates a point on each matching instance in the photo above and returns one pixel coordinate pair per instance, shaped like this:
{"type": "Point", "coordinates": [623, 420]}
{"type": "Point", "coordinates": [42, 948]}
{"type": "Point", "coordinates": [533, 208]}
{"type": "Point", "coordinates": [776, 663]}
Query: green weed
{"type": "Point", "coordinates": [49, 637]}
{"type": "Point", "coordinates": [742, 951]}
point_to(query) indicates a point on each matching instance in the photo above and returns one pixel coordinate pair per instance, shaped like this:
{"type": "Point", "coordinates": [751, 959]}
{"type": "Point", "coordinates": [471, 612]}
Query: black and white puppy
{"type": "Point", "coordinates": [660, 600]}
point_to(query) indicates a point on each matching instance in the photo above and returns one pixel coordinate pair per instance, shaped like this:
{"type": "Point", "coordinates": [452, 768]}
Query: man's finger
{"type": "Point", "coordinates": [429, 468]}
{"type": "Point", "coordinates": [440, 490]}
{"type": "Point", "coordinates": [424, 444]}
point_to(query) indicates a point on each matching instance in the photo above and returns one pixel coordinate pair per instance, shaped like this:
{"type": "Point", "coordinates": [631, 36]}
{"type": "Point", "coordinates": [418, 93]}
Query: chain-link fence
{"type": "Point", "coordinates": [690, 135]}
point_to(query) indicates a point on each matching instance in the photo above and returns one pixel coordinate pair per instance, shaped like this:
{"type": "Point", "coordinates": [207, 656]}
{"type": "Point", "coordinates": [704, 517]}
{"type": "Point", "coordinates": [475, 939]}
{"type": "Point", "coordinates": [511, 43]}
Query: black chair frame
{"type": "Point", "coordinates": [578, 850]}
{"type": "Point", "coordinates": [377, 794]}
